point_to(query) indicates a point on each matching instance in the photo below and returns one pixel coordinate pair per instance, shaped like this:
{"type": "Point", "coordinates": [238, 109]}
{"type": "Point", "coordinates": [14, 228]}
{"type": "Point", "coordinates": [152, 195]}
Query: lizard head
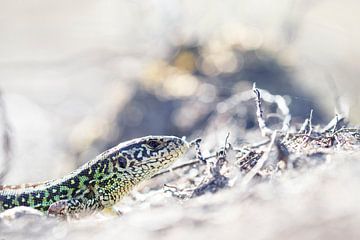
{"type": "Point", "coordinates": [143, 157]}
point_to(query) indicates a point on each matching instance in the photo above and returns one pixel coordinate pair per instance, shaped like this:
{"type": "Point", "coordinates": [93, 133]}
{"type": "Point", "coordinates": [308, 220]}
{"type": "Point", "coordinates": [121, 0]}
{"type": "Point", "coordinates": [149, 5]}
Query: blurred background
{"type": "Point", "coordinates": [79, 77]}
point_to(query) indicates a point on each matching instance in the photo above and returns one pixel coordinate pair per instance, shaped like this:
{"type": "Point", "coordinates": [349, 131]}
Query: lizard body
{"type": "Point", "coordinates": [101, 182]}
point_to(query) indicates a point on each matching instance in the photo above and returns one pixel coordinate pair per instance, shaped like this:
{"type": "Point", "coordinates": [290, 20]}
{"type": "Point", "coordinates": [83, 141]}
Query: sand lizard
{"type": "Point", "coordinates": [101, 182]}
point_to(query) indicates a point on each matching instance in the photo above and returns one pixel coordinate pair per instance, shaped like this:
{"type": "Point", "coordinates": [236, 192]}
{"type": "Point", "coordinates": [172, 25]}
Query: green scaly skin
{"type": "Point", "coordinates": [101, 182]}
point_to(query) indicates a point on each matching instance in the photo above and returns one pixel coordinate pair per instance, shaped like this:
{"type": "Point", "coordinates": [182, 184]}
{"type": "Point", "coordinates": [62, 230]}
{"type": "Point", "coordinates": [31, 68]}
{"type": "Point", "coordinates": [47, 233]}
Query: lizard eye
{"type": "Point", "coordinates": [122, 162]}
{"type": "Point", "coordinates": [153, 144]}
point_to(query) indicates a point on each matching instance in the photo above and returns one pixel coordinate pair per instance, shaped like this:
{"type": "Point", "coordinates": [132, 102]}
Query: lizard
{"type": "Point", "coordinates": [99, 183]}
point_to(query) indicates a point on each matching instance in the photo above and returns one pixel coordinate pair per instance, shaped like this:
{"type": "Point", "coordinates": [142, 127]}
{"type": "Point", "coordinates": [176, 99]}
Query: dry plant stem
{"type": "Point", "coordinates": [178, 193]}
{"type": "Point", "coordinates": [190, 163]}
{"type": "Point", "coordinates": [310, 122]}
{"type": "Point", "coordinates": [265, 131]}
{"type": "Point", "coordinates": [6, 140]}
{"type": "Point", "coordinates": [247, 178]}
{"type": "Point", "coordinates": [336, 123]}
{"type": "Point", "coordinates": [304, 126]}
{"type": "Point", "coordinates": [234, 101]}
{"type": "Point", "coordinates": [286, 123]}
{"type": "Point", "coordinates": [347, 130]}
{"type": "Point", "coordinates": [216, 180]}
{"type": "Point", "coordinates": [281, 104]}
{"type": "Point", "coordinates": [196, 143]}
{"type": "Point", "coordinates": [212, 181]}
{"type": "Point", "coordinates": [307, 125]}
{"type": "Point", "coordinates": [332, 125]}
{"type": "Point", "coordinates": [259, 144]}
{"type": "Point", "coordinates": [283, 155]}
{"type": "Point", "coordinates": [226, 141]}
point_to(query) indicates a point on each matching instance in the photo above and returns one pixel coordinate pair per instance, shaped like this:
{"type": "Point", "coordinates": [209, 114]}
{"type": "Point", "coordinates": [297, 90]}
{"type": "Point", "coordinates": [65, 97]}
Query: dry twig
{"type": "Point", "coordinates": [247, 178]}
{"type": "Point", "coordinates": [265, 131]}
